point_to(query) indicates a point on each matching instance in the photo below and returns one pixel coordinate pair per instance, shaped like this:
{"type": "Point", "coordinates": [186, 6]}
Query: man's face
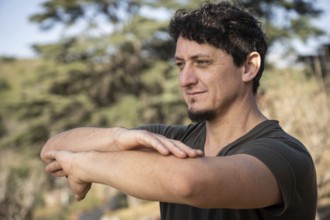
{"type": "Point", "coordinates": [209, 80]}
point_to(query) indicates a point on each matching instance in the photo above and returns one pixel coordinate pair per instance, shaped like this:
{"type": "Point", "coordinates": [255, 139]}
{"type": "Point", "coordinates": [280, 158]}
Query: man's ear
{"type": "Point", "coordinates": [251, 66]}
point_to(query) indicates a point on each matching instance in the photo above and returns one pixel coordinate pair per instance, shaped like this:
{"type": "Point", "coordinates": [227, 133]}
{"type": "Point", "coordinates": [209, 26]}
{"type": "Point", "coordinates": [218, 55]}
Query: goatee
{"type": "Point", "coordinates": [200, 116]}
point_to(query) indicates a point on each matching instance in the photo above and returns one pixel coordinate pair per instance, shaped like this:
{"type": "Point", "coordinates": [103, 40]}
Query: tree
{"type": "Point", "coordinates": [19, 186]}
{"type": "Point", "coordinates": [286, 19]}
{"type": "Point", "coordinates": [112, 65]}
{"type": "Point", "coordinates": [110, 70]}
{"type": "Point", "coordinates": [103, 72]}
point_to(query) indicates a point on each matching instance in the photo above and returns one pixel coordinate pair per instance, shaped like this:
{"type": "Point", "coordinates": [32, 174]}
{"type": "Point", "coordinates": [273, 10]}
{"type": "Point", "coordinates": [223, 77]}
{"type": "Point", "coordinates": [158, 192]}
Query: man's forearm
{"type": "Point", "coordinates": [145, 175]}
{"type": "Point", "coordinates": [82, 139]}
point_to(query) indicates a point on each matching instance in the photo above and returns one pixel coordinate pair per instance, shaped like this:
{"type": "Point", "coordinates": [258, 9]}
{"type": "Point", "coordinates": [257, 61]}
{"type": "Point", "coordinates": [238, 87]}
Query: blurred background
{"type": "Point", "coordinates": [65, 64]}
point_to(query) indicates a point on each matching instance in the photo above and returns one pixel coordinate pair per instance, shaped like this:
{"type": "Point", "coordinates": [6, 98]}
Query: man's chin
{"type": "Point", "coordinates": [200, 116]}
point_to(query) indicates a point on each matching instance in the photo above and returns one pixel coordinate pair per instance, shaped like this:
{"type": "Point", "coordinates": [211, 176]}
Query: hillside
{"type": "Point", "coordinates": [291, 96]}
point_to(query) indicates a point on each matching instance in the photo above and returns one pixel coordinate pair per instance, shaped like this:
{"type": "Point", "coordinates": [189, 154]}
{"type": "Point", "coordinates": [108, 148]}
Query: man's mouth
{"type": "Point", "coordinates": [195, 93]}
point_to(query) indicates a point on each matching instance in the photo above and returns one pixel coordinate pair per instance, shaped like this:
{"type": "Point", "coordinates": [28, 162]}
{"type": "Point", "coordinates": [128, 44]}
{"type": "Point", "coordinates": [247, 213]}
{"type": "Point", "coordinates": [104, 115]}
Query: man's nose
{"type": "Point", "coordinates": [187, 76]}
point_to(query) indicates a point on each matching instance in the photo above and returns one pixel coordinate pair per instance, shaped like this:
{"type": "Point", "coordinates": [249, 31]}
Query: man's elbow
{"type": "Point", "coordinates": [188, 188]}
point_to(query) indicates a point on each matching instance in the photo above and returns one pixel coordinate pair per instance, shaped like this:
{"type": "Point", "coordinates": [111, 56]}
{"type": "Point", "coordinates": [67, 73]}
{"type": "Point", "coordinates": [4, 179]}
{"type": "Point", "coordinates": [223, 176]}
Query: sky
{"type": "Point", "coordinates": [17, 34]}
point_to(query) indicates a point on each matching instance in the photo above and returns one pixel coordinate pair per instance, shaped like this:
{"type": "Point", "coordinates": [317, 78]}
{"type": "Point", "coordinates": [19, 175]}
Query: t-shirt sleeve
{"type": "Point", "coordinates": [169, 131]}
{"type": "Point", "coordinates": [290, 165]}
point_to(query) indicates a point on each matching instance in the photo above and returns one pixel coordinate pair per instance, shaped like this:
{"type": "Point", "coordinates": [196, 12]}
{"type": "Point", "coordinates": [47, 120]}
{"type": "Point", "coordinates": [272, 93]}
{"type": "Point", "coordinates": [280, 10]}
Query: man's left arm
{"type": "Point", "coordinates": [239, 181]}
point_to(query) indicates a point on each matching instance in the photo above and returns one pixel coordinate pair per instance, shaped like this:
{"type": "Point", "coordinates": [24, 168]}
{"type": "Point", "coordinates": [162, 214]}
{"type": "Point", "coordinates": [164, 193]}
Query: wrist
{"type": "Point", "coordinates": [83, 165]}
{"type": "Point", "coordinates": [116, 135]}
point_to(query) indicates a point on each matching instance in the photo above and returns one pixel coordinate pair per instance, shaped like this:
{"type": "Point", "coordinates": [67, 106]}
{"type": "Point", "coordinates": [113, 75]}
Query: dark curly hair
{"type": "Point", "coordinates": [225, 25]}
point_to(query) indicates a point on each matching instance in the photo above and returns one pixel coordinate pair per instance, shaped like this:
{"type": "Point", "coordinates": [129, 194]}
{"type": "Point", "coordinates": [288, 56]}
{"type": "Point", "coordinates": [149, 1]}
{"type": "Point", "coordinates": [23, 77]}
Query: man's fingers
{"type": "Point", "coordinates": [190, 152]}
{"type": "Point", "coordinates": [181, 150]}
{"type": "Point", "coordinates": [173, 147]}
{"type": "Point", "coordinates": [61, 166]}
{"type": "Point", "coordinates": [60, 173]}
{"type": "Point", "coordinates": [50, 156]}
{"type": "Point", "coordinates": [161, 144]}
{"type": "Point", "coordinates": [80, 190]}
{"type": "Point", "coordinates": [53, 167]}
{"type": "Point", "coordinates": [153, 141]}
{"type": "Point", "coordinates": [165, 146]}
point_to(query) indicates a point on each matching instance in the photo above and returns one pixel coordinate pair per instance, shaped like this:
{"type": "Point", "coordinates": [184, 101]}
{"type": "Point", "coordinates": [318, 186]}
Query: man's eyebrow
{"type": "Point", "coordinates": [177, 58]}
{"type": "Point", "coordinates": [194, 57]}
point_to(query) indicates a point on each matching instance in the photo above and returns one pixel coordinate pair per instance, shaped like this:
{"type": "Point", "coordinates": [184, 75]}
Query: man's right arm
{"type": "Point", "coordinates": [115, 139]}
{"type": "Point", "coordinates": [80, 140]}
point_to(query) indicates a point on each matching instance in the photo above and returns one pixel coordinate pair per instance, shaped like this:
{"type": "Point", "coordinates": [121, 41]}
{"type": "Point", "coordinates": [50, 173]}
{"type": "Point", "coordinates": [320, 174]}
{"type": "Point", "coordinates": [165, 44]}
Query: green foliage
{"type": "Point", "coordinates": [4, 85]}
{"type": "Point", "coordinates": [69, 12]}
{"type": "Point", "coordinates": [286, 19]}
{"type": "Point", "coordinates": [115, 70]}
{"type": "Point", "coordinates": [2, 127]}
{"type": "Point", "coordinates": [20, 184]}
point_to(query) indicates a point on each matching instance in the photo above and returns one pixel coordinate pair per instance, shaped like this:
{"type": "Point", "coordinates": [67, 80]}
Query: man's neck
{"type": "Point", "coordinates": [227, 128]}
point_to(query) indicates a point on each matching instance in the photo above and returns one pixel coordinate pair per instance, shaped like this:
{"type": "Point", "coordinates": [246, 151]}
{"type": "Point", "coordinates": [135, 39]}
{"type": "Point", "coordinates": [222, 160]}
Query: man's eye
{"type": "Point", "coordinates": [180, 65]}
{"type": "Point", "coordinates": [203, 62]}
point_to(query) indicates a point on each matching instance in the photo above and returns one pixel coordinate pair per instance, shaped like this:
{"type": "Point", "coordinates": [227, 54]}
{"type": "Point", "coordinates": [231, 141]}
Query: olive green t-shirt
{"type": "Point", "coordinates": [285, 156]}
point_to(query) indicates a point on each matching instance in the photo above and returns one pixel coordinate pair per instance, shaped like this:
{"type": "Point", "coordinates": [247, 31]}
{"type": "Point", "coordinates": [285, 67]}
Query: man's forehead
{"type": "Point", "coordinates": [198, 52]}
{"type": "Point", "coordinates": [192, 48]}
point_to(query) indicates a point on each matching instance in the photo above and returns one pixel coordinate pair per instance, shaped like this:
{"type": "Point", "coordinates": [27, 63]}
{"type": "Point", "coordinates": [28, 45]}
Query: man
{"type": "Point", "coordinates": [233, 163]}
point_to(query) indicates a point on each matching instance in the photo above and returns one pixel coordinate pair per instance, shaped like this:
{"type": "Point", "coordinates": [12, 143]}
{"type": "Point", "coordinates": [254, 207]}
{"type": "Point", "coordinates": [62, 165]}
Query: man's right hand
{"type": "Point", "coordinates": [125, 139]}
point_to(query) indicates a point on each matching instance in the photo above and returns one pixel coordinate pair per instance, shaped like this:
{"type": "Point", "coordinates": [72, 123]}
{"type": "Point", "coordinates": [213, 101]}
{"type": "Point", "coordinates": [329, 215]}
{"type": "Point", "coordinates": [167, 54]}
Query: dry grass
{"type": "Point", "coordinates": [303, 108]}
{"type": "Point", "coordinates": [145, 211]}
